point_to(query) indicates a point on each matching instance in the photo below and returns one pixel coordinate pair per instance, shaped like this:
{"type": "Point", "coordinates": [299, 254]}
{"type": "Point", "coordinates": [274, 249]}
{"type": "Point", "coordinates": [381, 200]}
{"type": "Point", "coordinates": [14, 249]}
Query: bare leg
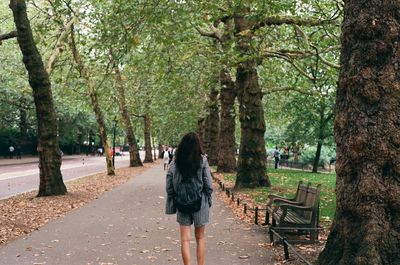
{"type": "Point", "coordinates": [200, 240]}
{"type": "Point", "coordinates": [185, 241]}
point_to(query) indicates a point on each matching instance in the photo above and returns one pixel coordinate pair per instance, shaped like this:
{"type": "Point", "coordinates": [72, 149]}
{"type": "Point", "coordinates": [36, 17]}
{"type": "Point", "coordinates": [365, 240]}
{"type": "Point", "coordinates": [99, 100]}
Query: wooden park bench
{"type": "Point", "coordinates": [298, 216]}
{"type": "Point", "coordinates": [298, 199]}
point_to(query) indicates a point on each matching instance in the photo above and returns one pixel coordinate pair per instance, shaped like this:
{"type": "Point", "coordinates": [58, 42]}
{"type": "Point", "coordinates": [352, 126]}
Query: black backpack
{"type": "Point", "coordinates": [188, 197]}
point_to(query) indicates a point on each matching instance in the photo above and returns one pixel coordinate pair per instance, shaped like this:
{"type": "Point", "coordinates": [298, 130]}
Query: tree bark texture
{"type": "Point", "coordinates": [201, 130]}
{"type": "Point", "coordinates": [134, 157]}
{"type": "Point", "coordinates": [95, 105]}
{"type": "Point", "coordinates": [148, 158]}
{"type": "Point", "coordinates": [23, 122]}
{"type": "Point", "coordinates": [317, 156]}
{"type": "Point", "coordinates": [251, 171]}
{"type": "Point", "coordinates": [154, 149]}
{"type": "Point", "coordinates": [321, 137]}
{"type": "Point", "coordinates": [227, 148]}
{"type": "Point", "coordinates": [366, 228]}
{"type": "Point", "coordinates": [160, 150]}
{"type": "Point", "coordinates": [51, 181]}
{"type": "Point", "coordinates": [206, 139]}
{"type": "Point", "coordinates": [213, 128]}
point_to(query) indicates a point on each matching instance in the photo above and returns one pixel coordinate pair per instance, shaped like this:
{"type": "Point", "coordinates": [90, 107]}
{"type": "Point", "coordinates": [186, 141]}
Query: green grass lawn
{"type": "Point", "coordinates": [284, 182]}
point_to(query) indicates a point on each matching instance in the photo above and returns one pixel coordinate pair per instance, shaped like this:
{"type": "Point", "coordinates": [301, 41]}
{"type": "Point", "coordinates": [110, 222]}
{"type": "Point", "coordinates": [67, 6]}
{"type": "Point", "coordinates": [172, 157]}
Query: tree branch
{"type": "Point", "coordinates": [290, 61]}
{"type": "Point", "coordinates": [58, 45]}
{"type": "Point", "coordinates": [294, 89]}
{"type": "Point", "coordinates": [289, 20]}
{"type": "Point", "coordinates": [138, 116]}
{"type": "Point", "coordinates": [211, 34]}
{"type": "Point", "coordinates": [10, 35]}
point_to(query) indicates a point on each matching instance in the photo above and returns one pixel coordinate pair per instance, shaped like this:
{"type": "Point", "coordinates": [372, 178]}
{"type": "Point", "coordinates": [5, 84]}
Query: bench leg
{"type": "Point", "coordinates": [266, 217]}
{"type": "Point", "coordinates": [285, 248]}
{"type": "Point", "coordinates": [313, 236]}
{"type": "Point", "coordinates": [271, 235]}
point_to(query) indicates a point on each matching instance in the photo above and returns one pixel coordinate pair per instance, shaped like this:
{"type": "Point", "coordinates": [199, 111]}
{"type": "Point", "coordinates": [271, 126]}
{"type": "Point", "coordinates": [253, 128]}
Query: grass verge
{"type": "Point", "coordinates": [284, 182]}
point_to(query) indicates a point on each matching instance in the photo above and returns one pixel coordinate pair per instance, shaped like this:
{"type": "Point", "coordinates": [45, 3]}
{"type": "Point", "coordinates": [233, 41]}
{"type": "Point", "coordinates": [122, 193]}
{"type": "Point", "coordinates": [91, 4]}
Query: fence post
{"type": "Point", "coordinates": [256, 215]}
{"type": "Point", "coordinates": [266, 216]}
{"type": "Point", "coordinates": [233, 197]}
{"type": "Point", "coordinates": [238, 201]}
{"type": "Point", "coordinates": [245, 208]}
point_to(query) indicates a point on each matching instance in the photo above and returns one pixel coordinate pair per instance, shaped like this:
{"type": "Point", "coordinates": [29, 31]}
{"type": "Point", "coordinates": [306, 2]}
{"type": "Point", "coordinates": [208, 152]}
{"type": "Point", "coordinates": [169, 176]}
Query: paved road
{"type": "Point", "coordinates": [127, 226]}
{"type": "Point", "coordinates": [17, 176]}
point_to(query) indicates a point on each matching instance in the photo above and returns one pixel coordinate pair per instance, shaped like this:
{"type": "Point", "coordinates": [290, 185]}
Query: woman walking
{"type": "Point", "coordinates": [189, 194]}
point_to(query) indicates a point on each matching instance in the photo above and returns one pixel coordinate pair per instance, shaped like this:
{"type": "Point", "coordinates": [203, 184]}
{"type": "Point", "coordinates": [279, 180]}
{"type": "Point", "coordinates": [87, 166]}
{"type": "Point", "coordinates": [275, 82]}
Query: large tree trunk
{"type": "Point", "coordinates": [213, 128]}
{"type": "Point", "coordinates": [366, 228]}
{"type": "Point", "coordinates": [95, 105]}
{"type": "Point", "coordinates": [23, 122]}
{"type": "Point", "coordinates": [251, 171]}
{"type": "Point", "coordinates": [201, 130]}
{"type": "Point", "coordinates": [51, 181]}
{"type": "Point", "coordinates": [206, 138]}
{"type": "Point", "coordinates": [147, 139]}
{"type": "Point", "coordinates": [227, 148]}
{"type": "Point", "coordinates": [134, 157]}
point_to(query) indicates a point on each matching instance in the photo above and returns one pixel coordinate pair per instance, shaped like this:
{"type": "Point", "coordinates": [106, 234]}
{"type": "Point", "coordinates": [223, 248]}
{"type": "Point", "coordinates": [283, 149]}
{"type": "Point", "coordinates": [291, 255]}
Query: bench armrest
{"type": "Point", "coordinates": [281, 200]}
{"type": "Point", "coordinates": [284, 207]}
{"type": "Point", "coordinates": [274, 196]}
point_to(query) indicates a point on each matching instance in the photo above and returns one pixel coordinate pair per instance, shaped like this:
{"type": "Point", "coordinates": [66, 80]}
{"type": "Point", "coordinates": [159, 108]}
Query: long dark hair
{"type": "Point", "coordinates": [188, 155]}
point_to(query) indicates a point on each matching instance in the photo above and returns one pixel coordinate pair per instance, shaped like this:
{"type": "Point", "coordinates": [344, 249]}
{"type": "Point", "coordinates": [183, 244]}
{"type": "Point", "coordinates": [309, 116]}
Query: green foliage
{"type": "Point", "coordinates": [308, 154]}
{"type": "Point", "coordinates": [168, 68]}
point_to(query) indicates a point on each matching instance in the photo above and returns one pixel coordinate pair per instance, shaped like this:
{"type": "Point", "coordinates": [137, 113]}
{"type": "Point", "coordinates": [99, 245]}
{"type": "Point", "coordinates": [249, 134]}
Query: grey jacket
{"type": "Point", "coordinates": [174, 177]}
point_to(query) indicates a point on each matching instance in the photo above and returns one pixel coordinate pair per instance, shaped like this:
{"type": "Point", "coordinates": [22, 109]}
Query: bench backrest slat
{"type": "Point", "coordinates": [301, 195]}
{"type": "Point", "coordinates": [312, 200]}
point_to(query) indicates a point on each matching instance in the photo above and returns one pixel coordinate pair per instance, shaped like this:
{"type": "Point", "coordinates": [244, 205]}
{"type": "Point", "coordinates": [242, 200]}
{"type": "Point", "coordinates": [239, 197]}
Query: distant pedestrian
{"type": "Point", "coordinates": [189, 192]}
{"type": "Point", "coordinates": [18, 152]}
{"type": "Point", "coordinates": [11, 151]}
{"type": "Point", "coordinates": [170, 154]}
{"type": "Point", "coordinates": [99, 151]}
{"type": "Point", "coordinates": [166, 158]}
{"type": "Point", "coordinates": [277, 156]}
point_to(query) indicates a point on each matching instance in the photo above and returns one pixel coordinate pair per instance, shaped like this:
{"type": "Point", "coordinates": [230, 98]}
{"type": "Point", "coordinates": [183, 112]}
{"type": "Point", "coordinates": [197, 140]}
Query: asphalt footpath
{"type": "Point", "coordinates": [128, 226]}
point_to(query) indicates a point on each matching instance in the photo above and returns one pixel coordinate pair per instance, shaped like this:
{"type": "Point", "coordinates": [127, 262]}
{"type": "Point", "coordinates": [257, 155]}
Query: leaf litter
{"type": "Point", "coordinates": [24, 213]}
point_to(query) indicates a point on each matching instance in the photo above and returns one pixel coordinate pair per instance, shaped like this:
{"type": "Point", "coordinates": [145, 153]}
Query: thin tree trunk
{"type": "Point", "coordinates": [160, 150]}
{"type": "Point", "coordinates": [296, 152]}
{"type": "Point", "coordinates": [147, 139]}
{"type": "Point", "coordinates": [95, 104]}
{"type": "Point", "coordinates": [317, 157]}
{"type": "Point", "coordinates": [227, 148]}
{"type": "Point", "coordinates": [51, 181]}
{"type": "Point", "coordinates": [366, 228]}
{"type": "Point", "coordinates": [134, 157]}
{"type": "Point", "coordinates": [154, 149]}
{"type": "Point", "coordinates": [321, 137]}
{"type": "Point", "coordinates": [251, 171]}
{"type": "Point", "coordinates": [213, 137]}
